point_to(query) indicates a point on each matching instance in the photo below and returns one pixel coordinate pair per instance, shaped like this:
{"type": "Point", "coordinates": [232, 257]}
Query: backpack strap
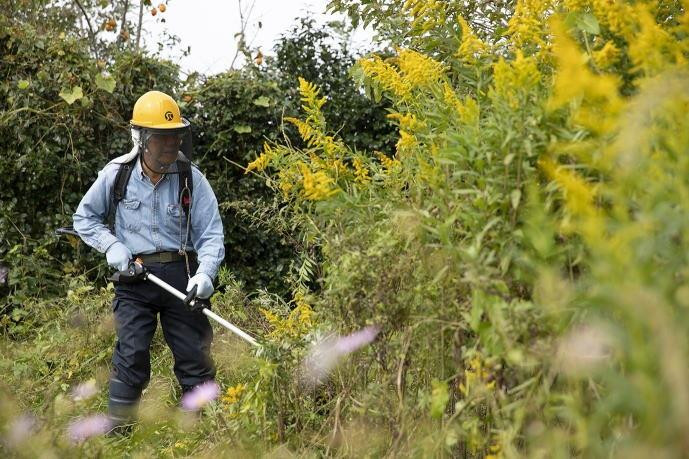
{"type": "Point", "coordinates": [119, 190]}
{"type": "Point", "coordinates": [186, 185]}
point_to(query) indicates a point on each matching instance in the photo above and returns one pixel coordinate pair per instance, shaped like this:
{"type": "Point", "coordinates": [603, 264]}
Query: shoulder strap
{"type": "Point", "coordinates": [186, 185]}
{"type": "Point", "coordinates": [119, 189]}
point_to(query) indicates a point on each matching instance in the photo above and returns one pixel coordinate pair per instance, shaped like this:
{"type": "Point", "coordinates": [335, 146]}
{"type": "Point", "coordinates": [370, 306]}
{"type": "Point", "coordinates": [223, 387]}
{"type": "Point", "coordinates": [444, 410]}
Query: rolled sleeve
{"type": "Point", "coordinates": [91, 212]}
{"type": "Point", "coordinates": [206, 227]}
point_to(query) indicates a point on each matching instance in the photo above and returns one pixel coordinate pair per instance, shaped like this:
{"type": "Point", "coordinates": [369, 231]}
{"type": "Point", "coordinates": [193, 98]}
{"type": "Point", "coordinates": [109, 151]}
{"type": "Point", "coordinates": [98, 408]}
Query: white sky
{"type": "Point", "coordinates": [208, 26]}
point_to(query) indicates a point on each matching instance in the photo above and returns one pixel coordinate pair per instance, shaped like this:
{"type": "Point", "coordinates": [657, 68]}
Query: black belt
{"type": "Point", "coordinates": [164, 257]}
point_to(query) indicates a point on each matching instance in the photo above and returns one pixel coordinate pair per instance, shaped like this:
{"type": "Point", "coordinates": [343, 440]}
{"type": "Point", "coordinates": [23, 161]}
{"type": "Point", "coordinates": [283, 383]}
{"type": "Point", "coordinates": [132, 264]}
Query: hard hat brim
{"type": "Point", "coordinates": [163, 128]}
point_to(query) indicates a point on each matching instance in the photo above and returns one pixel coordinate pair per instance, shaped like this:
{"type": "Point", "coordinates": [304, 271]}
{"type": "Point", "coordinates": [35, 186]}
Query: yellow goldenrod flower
{"type": "Point", "coordinates": [471, 46]}
{"type": "Point", "coordinates": [406, 142]}
{"type": "Point", "coordinates": [475, 377]}
{"type": "Point", "coordinates": [360, 172]}
{"type": "Point", "coordinates": [597, 95]}
{"type": "Point", "coordinates": [618, 16]}
{"type": "Point", "coordinates": [419, 70]}
{"type": "Point", "coordinates": [385, 75]}
{"type": "Point", "coordinates": [426, 14]}
{"type": "Point", "coordinates": [526, 26]}
{"type": "Point", "coordinates": [467, 111]}
{"type": "Point", "coordinates": [651, 49]}
{"type": "Point", "coordinates": [408, 121]}
{"type": "Point", "coordinates": [579, 195]}
{"type": "Point", "coordinates": [233, 394]}
{"type": "Point", "coordinates": [262, 161]}
{"type": "Point", "coordinates": [606, 56]}
{"type": "Point", "coordinates": [515, 78]}
{"type": "Point", "coordinates": [316, 185]}
{"type": "Point", "coordinates": [576, 5]}
{"type": "Point", "coordinates": [388, 163]}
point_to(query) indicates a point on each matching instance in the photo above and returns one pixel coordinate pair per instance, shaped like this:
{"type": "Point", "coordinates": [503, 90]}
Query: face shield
{"type": "Point", "coordinates": [162, 148]}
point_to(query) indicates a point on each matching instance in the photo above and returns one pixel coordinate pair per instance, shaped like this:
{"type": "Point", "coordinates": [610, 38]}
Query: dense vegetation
{"type": "Point", "coordinates": [520, 244]}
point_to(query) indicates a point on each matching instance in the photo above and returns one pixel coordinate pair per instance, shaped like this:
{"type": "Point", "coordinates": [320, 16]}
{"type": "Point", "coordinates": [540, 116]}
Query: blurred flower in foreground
{"type": "Point", "coordinates": [200, 396]}
{"type": "Point", "coordinates": [85, 391]}
{"type": "Point", "coordinates": [324, 355]}
{"type": "Point", "coordinates": [585, 349]}
{"type": "Point", "coordinates": [86, 427]}
{"type": "Point", "coordinates": [20, 429]}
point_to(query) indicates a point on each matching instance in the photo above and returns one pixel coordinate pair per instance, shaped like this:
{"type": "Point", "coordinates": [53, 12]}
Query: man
{"type": "Point", "coordinates": [176, 236]}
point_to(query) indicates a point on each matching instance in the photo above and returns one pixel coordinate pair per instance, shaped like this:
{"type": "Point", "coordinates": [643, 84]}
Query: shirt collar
{"type": "Point", "coordinates": [141, 175]}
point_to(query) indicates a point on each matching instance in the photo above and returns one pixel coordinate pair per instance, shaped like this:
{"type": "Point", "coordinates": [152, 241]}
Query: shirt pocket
{"type": "Point", "coordinates": [130, 215]}
{"type": "Point", "coordinates": [174, 211]}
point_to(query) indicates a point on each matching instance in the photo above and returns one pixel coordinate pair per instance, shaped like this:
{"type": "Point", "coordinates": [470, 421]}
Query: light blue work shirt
{"type": "Point", "coordinates": [148, 218]}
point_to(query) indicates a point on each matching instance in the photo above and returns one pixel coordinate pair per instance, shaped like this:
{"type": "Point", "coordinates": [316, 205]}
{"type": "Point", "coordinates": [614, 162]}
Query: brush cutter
{"type": "Point", "coordinates": [137, 272]}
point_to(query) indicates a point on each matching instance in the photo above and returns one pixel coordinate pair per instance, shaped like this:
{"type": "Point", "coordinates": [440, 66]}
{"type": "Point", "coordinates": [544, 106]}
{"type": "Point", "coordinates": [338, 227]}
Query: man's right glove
{"type": "Point", "coordinates": [204, 285]}
{"type": "Point", "coordinates": [118, 256]}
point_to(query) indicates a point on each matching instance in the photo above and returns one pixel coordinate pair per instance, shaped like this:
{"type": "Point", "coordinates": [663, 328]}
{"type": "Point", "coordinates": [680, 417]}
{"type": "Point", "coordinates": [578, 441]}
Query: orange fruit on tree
{"type": "Point", "coordinates": [162, 7]}
{"type": "Point", "coordinates": [154, 12]}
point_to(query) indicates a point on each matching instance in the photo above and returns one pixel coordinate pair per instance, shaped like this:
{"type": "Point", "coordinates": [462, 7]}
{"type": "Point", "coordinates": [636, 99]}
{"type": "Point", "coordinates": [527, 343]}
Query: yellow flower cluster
{"type": "Point", "coordinates": [606, 56]}
{"type": "Point", "coordinates": [596, 95]}
{"type": "Point", "coordinates": [618, 16]}
{"type": "Point", "coordinates": [419, 70]}
{"type": "Point", "coordinates": [583, 215]}
{"type": "Point", "coordinates": [467, 111]}
{"type": "Point", "coordinates": [515, 78]}
{"type": "Point", "coordinates": [526, 26]}
{"type": "Point", "coordinates": [651, 49]}
{"type": "Point", "coordinates": [299, 321]}
{"type": "Point", "coordinates": [388, 163]}
{"type": "Point", "coordinates": [415, 71]}
{"type": "Point", "coordinates": [286, 179]}
{"type": "Point", "coordinates": [471, 46]}
{"type": "Point", "coordinates": [233, 394]}
{"type": "Point", "coordinates": [579, 195]}
{"type": "Point", "coordinates": [426, 14]}
{"type": "Point", "coordinates": [386, 75]}
{"type": "Point", "coordinates": [576, 5]}
{"type": "Point", "coordinates": [312, 104]}
{"type": "Point", "coordinates": [406, 142]}
{"type": "Point", "coordinates": [316, 185]}
{"type": "Point", "coordinates": [360, 172]}
{"type": "Point", "coordinates": [408, 121]}
{"type": "Point", "coordinates": [476, 377]}
{"type": "Point", "coordinates": [262, 161]}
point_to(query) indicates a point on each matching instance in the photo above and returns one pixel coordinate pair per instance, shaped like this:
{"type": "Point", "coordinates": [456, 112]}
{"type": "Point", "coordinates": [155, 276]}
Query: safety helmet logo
{"type": "Point", "coordinates": [169, 116]}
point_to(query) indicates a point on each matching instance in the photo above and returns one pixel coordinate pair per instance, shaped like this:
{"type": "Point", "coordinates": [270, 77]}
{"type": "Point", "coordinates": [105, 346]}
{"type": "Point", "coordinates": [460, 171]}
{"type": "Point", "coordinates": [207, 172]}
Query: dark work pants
{"type": "Point", "coordinates": [188, 334]}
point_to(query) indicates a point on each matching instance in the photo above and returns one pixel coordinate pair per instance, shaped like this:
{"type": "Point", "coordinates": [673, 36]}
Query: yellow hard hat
{"type": "Point", "coordinates": [157, 110]}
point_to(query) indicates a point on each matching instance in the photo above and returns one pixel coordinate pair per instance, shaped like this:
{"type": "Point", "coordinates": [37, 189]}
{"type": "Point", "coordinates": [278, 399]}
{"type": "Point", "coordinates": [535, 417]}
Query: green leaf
{"type": "Point", "coordinates": [105, 82]}
{"type": "Point", "coordinates": [515, 197]}
{"type": "Point", "coordinates": [73, 95]}
{"type": "Point", "coordinates": [23, 84]}
{"type": "Point", "coordinates": [242, 128]}
{"type": "Point", "coordinates": [588, 23]}
{"type": "Point", "coordinates": [439, 398]}
{"type": "Point", "coordinates": [262, 101]}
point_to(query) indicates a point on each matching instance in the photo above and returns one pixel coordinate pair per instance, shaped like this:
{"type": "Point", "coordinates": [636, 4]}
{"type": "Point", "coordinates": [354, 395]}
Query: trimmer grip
{"type": "Point", "coordinates": [190, 296]}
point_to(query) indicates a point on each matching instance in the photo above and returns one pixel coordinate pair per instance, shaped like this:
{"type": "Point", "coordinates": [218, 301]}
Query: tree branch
{"type": "Point", "coordinates": [88, 23]}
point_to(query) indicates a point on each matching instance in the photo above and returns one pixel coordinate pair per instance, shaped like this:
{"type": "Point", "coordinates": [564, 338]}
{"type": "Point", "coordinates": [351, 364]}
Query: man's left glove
{"type": "Point", "coordinates": [204, 285]}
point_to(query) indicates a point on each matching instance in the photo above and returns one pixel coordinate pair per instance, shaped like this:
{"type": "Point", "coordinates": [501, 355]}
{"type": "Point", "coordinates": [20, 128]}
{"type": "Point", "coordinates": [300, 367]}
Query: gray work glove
{"type": "Point", "coordinates": [204, 285]}
{"type": "Point", "coordinates": [118, 256]}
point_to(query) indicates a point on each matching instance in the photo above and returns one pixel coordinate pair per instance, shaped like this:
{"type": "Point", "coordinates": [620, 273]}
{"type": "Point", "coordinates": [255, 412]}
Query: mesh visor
{"type": "Point", "coordinates": [162, 147]}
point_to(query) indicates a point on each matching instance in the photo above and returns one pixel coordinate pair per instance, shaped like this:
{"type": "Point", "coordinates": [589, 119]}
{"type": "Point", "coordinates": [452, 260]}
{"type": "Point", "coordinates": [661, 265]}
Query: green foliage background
{"type": "Point", "coordinates": [516, 227]}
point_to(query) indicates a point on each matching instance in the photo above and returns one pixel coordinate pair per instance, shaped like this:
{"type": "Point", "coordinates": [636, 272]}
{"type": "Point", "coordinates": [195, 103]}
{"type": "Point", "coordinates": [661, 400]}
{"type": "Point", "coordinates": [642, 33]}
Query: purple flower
{"type": "Point", "coordinates": [324, 355]}
{"type": "Point", "coordinates": [84, 391]}
{"type": "Point", "coordinates": [200, 396]}
{"type": "Point", "coordinates": [86, 427]}
{"type": "Point", "coordinates": [20, 429]}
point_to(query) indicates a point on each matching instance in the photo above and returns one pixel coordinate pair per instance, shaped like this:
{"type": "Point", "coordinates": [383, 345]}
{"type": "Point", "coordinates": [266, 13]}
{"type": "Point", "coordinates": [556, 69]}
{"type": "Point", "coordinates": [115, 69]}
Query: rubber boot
{"type": "Point", "coordinates": [122, 406]}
